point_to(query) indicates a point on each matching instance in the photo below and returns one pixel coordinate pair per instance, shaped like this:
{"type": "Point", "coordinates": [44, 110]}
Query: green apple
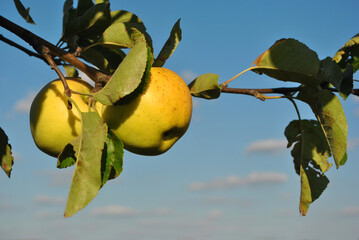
{"type": "Point", "coordinates": [52, 125]}
{"type": "Point", "coordinates": [154, 121]}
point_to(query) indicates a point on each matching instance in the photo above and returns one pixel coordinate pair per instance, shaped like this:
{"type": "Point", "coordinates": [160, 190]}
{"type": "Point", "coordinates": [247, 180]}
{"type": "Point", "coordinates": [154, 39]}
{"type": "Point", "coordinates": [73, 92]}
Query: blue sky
{"type": "Point", "coordinates": [230, 177]}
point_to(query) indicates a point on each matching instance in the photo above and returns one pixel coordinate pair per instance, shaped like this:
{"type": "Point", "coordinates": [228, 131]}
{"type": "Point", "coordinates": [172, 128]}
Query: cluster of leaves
{"type": "Point", "coordinates": [101, 35]}
{"type": "Point", "coordinates": [313, 141]}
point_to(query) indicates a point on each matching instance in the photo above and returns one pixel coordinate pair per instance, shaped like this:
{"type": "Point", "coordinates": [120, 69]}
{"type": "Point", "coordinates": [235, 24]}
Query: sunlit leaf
{"type": "Point", "coordinates": [312, 186]}
{"type": "Point", "coordinates": [349, 54]}
{"type": "Point", "coordinates": [6, 158]}
{"type": "Point", "coordinates": [205, 86]}
{"type": "Point", "coordinates": [310, 157]}
{"type": "Point", "coordinates": [87, 178]}
{"type": "Point", "coordinates": [68, 155]}
{"type": "Point", "coordinates": [170, 45]}
{"type": "Point", "coordinates": [330, 114]}
{"type": "Point", "coordinates": [127, 76]}
{"type": "Point", "coordinates": [289, 60]}
{"type": "Point", "coordinates": [122, 16]}
{"type": "Point", "coordinates": [24, 12]}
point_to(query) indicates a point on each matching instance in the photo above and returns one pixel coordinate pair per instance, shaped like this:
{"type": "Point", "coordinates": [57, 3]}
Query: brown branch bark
{"type": "Point", "coordinates": [37, 43]}
{"type": "Point", "coordinates": [255, 92]}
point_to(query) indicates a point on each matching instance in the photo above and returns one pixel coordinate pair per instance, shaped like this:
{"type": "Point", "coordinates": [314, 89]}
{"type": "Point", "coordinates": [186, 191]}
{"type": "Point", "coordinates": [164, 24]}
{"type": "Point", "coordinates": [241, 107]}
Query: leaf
{"type": "Point", "coordinates": [112, 158]}
{"type": "Point", "coordinates": [83, 6]}
{"type": "Point", "coordinates": [6, 159]}
{"type": "Point", "coordinates": [312, 186]}
{"type": "Point", "coordinates": [69, 14]}
{"type": "Point", "coordinates": [330, 72]}
{"type": "Point", "coordinates": [127, 76]}
{"type": "Point", "coordinates": [69, 155]}
{"type": "Point", "coordinates": [289, 60]}
{"type": "Point", "coordinates": [87, 180]}
{"type": "Point", "coordinates": [170, 45]}
{"type": "Point", "coordinates": [205, 86]}
{"type": "Point", "coordinates": [25, 13]}
{"type": "Point", "coordinates": [107, 60]}
{"type": "Point", "coordinates": [122, 16]}
{"type": "Point", "coordinates": [330, 114]}
{"type": "Point", "coordinates": [311, 146]}
{"type": "Point", "coordinates": [92, 23]}
{"type": "Point", "coordinates": [71, 71]}
{"type": "Point", "coordinates": [310, 154]}
{"type": "Point", "coordinates": [349, 54]}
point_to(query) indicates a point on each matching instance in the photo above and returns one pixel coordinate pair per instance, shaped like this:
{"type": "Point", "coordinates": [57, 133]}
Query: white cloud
{"type": "Point", "coordinates": [267, 146]}
{"type": "Point", "coordinates": [114, 210]}
{"type": "Point", "coordinates": [45, 199]}
{"type": "Point", "coordinates": [214, 215]}
{"type": "Point", "coordinates": [23, 105]}
{"type": "Point", "coordinates": [255, 178]}
{"type": "Point", "coordinates": [350, 210]}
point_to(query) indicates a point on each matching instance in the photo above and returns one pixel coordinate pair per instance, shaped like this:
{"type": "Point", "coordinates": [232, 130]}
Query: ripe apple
{"type": "Point", "coordinates": [152, 123]}
{"type": "Point", "coordinates": [52, 125]}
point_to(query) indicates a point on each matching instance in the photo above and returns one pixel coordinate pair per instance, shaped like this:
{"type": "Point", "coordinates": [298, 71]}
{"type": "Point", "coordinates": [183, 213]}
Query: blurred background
{"type": "Point", "coordinates": [231, 176]}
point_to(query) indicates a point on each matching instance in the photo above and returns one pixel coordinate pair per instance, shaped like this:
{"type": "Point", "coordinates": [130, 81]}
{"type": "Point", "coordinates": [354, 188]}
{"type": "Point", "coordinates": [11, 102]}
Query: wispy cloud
{"type": "Point", "coordinates": [114, 210]}
{"type": "Point", "coordinates": [350, 210]}
{"type": "Point", "coordinates": [23, 105]}
{"type": "Point", "coordinates": [255, 178]}
{"type": "Point", "coordinates": [49, 200]}
{"type": "Point", "coordinates": [267, 146]}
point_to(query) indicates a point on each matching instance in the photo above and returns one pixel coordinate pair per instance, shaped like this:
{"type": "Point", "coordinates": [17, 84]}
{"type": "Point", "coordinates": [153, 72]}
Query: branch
{"type": "Point", "coordinates": [38, 43]}
{"type": "Point", "coordinates": [258, 92]}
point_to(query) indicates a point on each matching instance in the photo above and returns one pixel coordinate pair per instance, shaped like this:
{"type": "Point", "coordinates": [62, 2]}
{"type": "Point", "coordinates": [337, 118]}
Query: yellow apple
{"type": "Point", "coordinates": [153, 122]}
{"type": "Point", "coordinates": [52, 125]}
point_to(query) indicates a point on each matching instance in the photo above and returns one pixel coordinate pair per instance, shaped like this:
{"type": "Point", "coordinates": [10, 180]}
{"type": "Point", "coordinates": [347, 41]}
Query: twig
{"type": "Point", "coordinates": [255, 92]}
{"type": "Point", "coordinates": [37, 42]}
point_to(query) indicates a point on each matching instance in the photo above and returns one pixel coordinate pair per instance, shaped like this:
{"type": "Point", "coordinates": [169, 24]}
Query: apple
{"type": "Point", "coordinates": [156, 119]}
{"type": "Point", "coordinates": [52, 125]}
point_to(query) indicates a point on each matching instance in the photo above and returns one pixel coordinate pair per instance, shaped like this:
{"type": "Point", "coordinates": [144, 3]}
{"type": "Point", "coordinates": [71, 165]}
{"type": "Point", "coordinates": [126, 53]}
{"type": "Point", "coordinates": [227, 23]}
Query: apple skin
{"type": "Point", "coordinates": [52, 125]}
{"type": "Point", "coordinates": [156, 119]}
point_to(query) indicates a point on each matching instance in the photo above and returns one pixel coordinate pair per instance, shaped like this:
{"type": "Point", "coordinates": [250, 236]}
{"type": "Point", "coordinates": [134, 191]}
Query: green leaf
{"type": "Point", "coordinates": [289, 60]}
{"type": "Point", "coordinates": [6, 159]}
{"type": "Point", "coordinates": [24, 12]}
{"type": "Point", "coordinates": [71, 71]}
{"type": "Point", "coordinates": [118, 35]}
{"type": "Point", "coordinates": [127, 76]}
{"type": "Point", "coordinates": [349, 54]}
{"type": "Point", "coordinates": [68, 156]}
{"type": "Point", "coordinates": [92, 23]}
{"type": "Point", "coordinates": [69, 14]}
{"type": "Point", "coordinates": [170, 45]}
{"type": "Point", "coordinates": [310, 156]}
{"type": "Point", "coordinates": [122, 16]}
{"type": "Point", "coordinates": [83, 6]}
{"type": "Point", "coordinates": [107, 60]}
{"type": "Point", "coordinates": [112, 157]}
{"type": "Point", "coordinates": [311, 146]}
{"type": "Point", "coordinates": [312, 186]}
{"type": "Point", "coordinates": [330, 114]}
{"type": "Point", "coordinates": [87, 178]}
{"type": "Point", "coordinates": [330, 72]}
{"type": "Point", "coordinates": [205, 86]}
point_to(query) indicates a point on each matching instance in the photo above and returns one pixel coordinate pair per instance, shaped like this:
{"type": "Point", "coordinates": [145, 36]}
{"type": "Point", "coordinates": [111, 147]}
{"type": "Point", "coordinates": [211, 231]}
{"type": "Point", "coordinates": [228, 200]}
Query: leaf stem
{"type": "Point", "coordinates": [225, 84]}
